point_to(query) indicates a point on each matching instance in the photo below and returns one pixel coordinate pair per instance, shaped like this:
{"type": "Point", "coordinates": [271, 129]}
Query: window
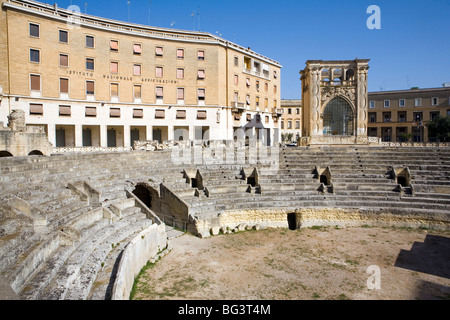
{"type": "Point", "coordinates": [372, 117]}
{"type": "Point", "coordinates": [448, 112]}
{"type": "Point", "coordinates": [275, 75]}
{"type": "Point", "coordinates": [114, 45]}
{"type": "Point", "coordinates": [35, 82]}
{"type": "Point", "coordinates": [137, 49]}
{"type": "Point", "coordinates": [417, 102]}
{"type": "Point", "coordinates": [257, 85]}
{"type": "Point", "coordinates": [181, 114]}
{"type": "Point", "coordinates": [247, 100]}
{"type": "Point", "coordinates": [387, 103]}
{"type": "Point", "coordinates": [201, 55]}
{"type": "Point", "coordinates": [275, 89]}
{"type": "Point", "coordinates": [236, 61]}
{"type": "Point", "coordinates": [372, 104]}
{"type": "Point", "coordinates": [138, 113]}
{"type": "Point", "coordinates": [275, 103]}
{"type": "Point", "coordinates": [89, 64]}
{"type": "Point", "coordinates": [236, 79]}
{"type": "Point", "coordinates": [386, 117]}
{"type": "Point", "coordinates": [247, 63]}
{"type": "Point", "coordinates": [180, 94]}
{"type": "Point", "coordinates": [201, 74]}
{"type": "Point", "coordinates": [180, 53]}
{"type": "Point", "coordinates": [297, 110]}
{"type": "Point", "coordinates": [257, 101]}
{"type": "Point", "coordinates": [63, 85]}
{"type": "Point", "coordinates": [297, 124]}
{"type": "Point", "coordinates": [201, 94]}
{"type": "Point", "coordinates": [282, 124]}
{"type": "Point", "coordinates": [266, 103]}
{"type": "Point", "coordinates": [289, 124]}
{"type": "Point", "coordinates": [63, 60]}
{"type": "Point", "coordinates": [64, 111]}
{"type": "Point", "coordinates": [159, 51]}
{"type": "Point", "coordinates": [114, 90]}
{"type": "Point", "coordinates": [266, 86]}
{"type": "Point", "coordinates": [159, 93]}
{"type": "Point", "coordinates": [289, 111]}
{"type": "Point", "coordinates": [90, 42]}
{"type": "Point", "coordinates": [160, 114]}
{"type": "Point", "coordinates": [34, 30]}
{"type": "Point", "coordinates": [201, 114]}
{"type": "Point", "coordinates": [137, 70]}
{"type": "Point", "coordinates": [114, 112]}
{"type": "Point", "coordinates": [401, 103]}
{"type": "Point", "coordinates": [36, 109]}
{"type": "Point", "coordinates": [159, 72]}
{"type": "Point", "coordinates": [247, 82]}
{"type": "Point", "coordinates": [434, 101]}
{"type": "Point", "coordinates": [401, 116]}
{"type": "Point", "coordinates": [180, 73]}
{"type": "Point", "coordinates": [417, 116]}
{"type": "Point", "coordinates": [114, 67]}
{"type": "Point", "coordinates": [90, 86]}
{"type": "Point", "coordinates": [35, 55]}
{"type": "Point", "coordinates": [137, 91]}
{"type": "Point", "coordinates": [63, 36]}
{"type": "Point", "coordinates": [434, 114]}
{"type": "Point", "coordinates": [90, 112]}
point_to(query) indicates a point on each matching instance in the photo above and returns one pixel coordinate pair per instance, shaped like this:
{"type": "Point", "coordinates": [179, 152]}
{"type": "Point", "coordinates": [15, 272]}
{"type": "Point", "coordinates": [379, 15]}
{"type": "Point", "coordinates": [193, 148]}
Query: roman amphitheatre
{"type": "Point", "coordinates": [296, 223]}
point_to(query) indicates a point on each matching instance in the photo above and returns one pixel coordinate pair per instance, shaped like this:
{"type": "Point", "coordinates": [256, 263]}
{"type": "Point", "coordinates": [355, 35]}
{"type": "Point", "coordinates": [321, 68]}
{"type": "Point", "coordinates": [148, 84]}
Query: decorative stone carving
{"type": "Point", "coordinates": [17, 121]}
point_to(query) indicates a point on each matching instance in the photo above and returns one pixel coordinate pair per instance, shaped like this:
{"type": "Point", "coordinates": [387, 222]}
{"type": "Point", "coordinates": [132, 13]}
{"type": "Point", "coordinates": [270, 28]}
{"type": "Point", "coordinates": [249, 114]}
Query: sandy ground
{"type": "Point", "coordinates": [313, 263]}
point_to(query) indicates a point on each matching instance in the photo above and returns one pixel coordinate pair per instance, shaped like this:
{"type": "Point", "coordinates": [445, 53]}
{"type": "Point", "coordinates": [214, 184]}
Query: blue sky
{"type": "Point", "coordinates": [412, 48]}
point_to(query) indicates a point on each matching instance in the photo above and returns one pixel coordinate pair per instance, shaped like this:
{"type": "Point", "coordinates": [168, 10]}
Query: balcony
{"type": "Point", "coordinates": [237, 106]}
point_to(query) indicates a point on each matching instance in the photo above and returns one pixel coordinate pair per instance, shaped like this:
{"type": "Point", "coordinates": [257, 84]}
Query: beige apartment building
{"type": "Point", "coordinates": [90, 81]}
{"type": "Point", "coordinates": [291, 119]}
{"type": "Point", "coordinates": [402, 115]}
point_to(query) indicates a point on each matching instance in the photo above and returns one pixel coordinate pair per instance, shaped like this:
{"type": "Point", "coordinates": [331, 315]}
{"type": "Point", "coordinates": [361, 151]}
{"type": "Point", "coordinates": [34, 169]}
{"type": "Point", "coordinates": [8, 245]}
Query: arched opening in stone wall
{"type": "Point", "coordinates": [35, 153]}
{"type": "Point", "coordinates": [338, 118]}
{"type": "Point", "coordinates": [5, 153]}
{"type": "Point", "coordinates": [144, 195]}
{"type": "Point", "coordinates": [324, 179]}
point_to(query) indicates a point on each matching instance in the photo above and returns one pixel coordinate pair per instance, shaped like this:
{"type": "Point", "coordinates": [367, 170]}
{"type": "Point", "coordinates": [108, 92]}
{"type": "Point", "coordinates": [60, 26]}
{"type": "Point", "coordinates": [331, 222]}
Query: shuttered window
{"type": "Point", "coordinates": [159, 72]}
{"type": "Point", "coordinates": [137, 48]}
{"type": "Point", "coordinates": [89, 41]}
{"type": "Point", "coordinates": [201, 74]}
{"type": "Point", "coordinates": [180, 93]}
{"type": "Point", "coordinates": [138, 113]}
{"type": "Point", "coordinates": [35, 82]}
{"type": "Point", "coordinates": [114, 89]}
{"type": "Point", "coordinates": [201, 94]}
{"type": "Point", "coordinates": [63, 36]}
{"type": "Point", "coordinates": [180, 53]}
{"type": "Point", "coordinates": [159, 114]}
{"type": "Point", "coordinates": [63, 85]}
{"type": "Point", "coordinates": [137, 70]}
{"type": "Point", "coordinates": [159, 51]}
{"type": "Point", "coordinates": [114, 68]}
{"type": "Point", "coordinates": [89, 64]}
{"type": "Point", "coordinates": [201, 114]}
{"type": "Point", "coordinates": [90, 86]}
{"type": "Point", "coordinates": [63, 60]}
{"type": "Point", "coordinates": [114, 45]}
{"type": "Point", "coordinates": [201, 55]}
{"type": "Point", "coordinates": [159, 93]}
{"type": "Point", "coordinates": [64, 111]}
{"type": "Point", "coordinates": [181, 114]}
{"type": "Point", "coordinates": [36, 108]}
{"type": "Point", "coordinates": [180, 73]}
{"type": "Point", "coordinates": [91, 112]}
{"type": "Point", "coordinates": [137, 91]}
{"type": "Point", "coordinates": [114, 112]}
{"type": "Point", "coordinates": [34, 30]}
{"type": "Point", "coordinates": [35, 55]}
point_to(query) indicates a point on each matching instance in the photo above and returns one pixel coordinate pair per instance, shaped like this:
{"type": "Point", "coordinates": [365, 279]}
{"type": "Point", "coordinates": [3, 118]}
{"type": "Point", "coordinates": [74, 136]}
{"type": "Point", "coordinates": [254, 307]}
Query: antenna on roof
{"type": "Point", "coordinates": [193, 16]}
{"type": "Point", "coordinates": [85, 7]}
{"type": "Point", "coordinates": [129, 4]}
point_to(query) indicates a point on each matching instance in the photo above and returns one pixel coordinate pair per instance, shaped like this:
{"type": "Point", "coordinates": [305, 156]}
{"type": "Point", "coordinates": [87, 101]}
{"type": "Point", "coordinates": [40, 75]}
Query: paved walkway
{"type": "Point", "coordinates": [173, 233]}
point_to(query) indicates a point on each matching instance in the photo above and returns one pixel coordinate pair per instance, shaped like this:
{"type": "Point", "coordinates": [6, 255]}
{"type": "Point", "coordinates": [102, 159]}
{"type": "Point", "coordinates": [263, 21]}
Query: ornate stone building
{"type": "Point", "coordinates": [335, 102]}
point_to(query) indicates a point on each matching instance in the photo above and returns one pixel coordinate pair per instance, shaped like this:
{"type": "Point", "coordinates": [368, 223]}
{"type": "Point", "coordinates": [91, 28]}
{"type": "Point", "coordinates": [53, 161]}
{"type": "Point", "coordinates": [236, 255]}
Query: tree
{"type": "Point", "coordinates": [439, 128]}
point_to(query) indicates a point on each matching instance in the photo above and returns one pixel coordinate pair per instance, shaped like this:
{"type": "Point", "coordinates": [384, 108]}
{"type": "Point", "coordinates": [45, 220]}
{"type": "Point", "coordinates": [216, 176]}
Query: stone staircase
{"type": "Point", "coordinates": [65, 220]}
